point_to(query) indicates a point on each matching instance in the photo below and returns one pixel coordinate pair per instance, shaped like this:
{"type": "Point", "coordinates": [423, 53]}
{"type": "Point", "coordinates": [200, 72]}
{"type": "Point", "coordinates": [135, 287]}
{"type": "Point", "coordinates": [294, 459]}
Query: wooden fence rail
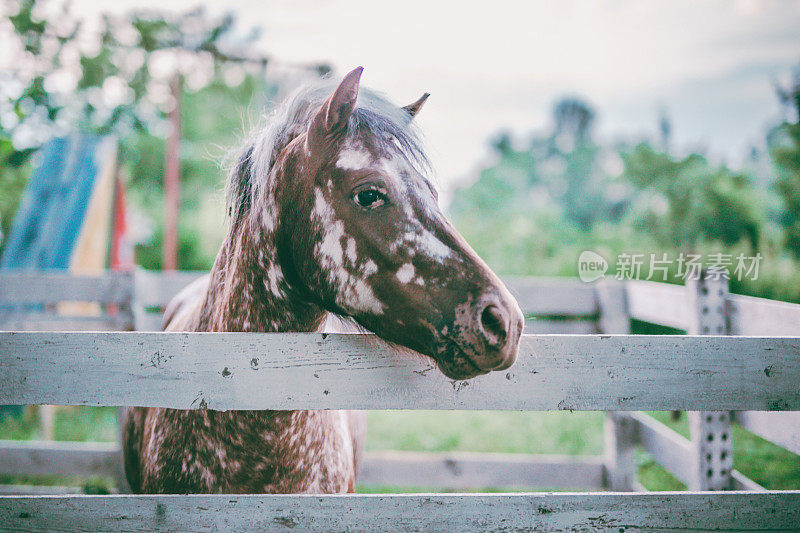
{"type": "Point", "coordinates": [471, 470]}
{"type": "Point", "coordinates": [452, 470]}
{"type": "Point", "coordinates": [578, 303]}
{"type": "Point", "coordinates": [666, 511]}
{"type": "Point", "coordinates": [619, 373]}
{"type": "Point", "coordinates": [22, 287]}
{"type": "Point", "coordinates": [674, 452]}
{"type": "Point", "coordinates": [331, 371]}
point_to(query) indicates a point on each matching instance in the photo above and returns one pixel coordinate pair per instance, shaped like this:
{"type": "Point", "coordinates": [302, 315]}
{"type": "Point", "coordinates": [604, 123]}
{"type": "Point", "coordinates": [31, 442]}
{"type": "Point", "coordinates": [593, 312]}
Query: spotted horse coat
{"type": "Point", "coordinates": [331, 214]}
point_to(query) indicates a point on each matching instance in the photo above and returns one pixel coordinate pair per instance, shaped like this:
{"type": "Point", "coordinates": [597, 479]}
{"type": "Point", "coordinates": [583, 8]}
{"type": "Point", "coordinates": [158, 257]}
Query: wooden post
{"type": "Point", "coordinates": [47, 420]}
{"type": "Point", "coordinates": [119, 475]}
{"type": "Point", "coordinates": [620, 443]}
{"type": "Point", "coordinates": [620, 431]}
{"type": "Point", "coordinates": [712, 443]}
{"type": "Point", "coordinates": [172, 170]}
{"type": "Point", "coordinates": [613, 304]}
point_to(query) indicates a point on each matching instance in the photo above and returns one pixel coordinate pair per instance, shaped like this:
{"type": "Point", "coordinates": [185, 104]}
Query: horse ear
{"type": "Point", "coordinates": [413, 108]}
{"type": "Point", "coordinates": [335, 112]}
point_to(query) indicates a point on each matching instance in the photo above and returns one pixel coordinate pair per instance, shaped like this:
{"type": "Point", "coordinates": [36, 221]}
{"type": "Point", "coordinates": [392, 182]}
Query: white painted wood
{"type": "Point", "coordinates": [742, 482]}
{"type": "Point", "coordinates": [123, 487]}
{"type": "Point", "coordinates": [39, 490]}
{"type": "Point", "coordinates": [542, 296]}
{"type": "Point", "coordinates": [455, 470]}
{"type": "Point", "coordinates": [146, 321]}
{"type": "Point", "coordinates": [407, 512]}
{"type": "Point", "coordinates": [649, 301]}
{"type": "Point", "coordinates": [613, 303]}
{"type": "Point", "coordinates": [781, 428]}
{"type": "Point", "coordinates": [658, 303]}
{"type": "Point", "coordinates": [467, 470]}
{"type": "Point", "coordinates": [54, 322]}
{"type": "Point", "coordinates": [757, 316]}
{"type": "Point", "coordinates": [674, 452]}
{"type": "Point", "coordinates": [669, 305]}
{"type": "Point", "coordinates": [712, 438]}
{"type": "Point", "coordinates": [59, 458]}
{"type": "Point", "coordinates": [553, 296]}
{"type": "Point", "coordinates": [620, 452]}
{"type": "Point", "coordinates": [156, 289]}
{"type": "Point", "coordinates": [50, 287]}
{"type": "Point", "coordinates": [712, 450]}
{"type": "Point", "coordinates": [619, 432]}
{"type": "Point", "coordinates": [668, 448]}
{"type": "Point", "coordinates": [47, 420]}
{"type": "Point", "coordinates": [541, 326]}
{"type": "Point", "coordinates": [706, 304]}
{"type": "Point", "coordinates": [311, 370]}
{"type": "Point", "coordinates": [20, 290]}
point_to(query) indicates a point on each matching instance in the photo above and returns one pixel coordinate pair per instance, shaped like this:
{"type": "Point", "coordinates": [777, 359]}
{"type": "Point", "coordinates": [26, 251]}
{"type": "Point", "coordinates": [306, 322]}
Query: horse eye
{"type": "Point", "coordinates": [370, 198]}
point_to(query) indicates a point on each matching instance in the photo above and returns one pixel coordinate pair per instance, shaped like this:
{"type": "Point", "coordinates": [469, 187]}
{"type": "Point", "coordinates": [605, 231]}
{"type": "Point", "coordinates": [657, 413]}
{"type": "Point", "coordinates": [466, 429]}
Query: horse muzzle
{"type": "Point", "coordinates": [486, 339]}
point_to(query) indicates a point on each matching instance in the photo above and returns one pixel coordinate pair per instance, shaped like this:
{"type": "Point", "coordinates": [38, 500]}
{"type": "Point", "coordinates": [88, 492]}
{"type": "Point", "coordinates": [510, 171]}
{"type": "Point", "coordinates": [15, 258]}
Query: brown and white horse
{"type": "Point", "coordinates": [330, 212]}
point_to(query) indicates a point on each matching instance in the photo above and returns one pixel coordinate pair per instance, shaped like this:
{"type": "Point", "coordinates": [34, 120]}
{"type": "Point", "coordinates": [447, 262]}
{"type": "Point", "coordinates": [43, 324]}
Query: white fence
{"type": "Point", "coordinates": [710, 375]}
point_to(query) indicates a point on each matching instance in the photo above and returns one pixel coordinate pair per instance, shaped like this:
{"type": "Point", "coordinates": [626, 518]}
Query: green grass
{"type": "Point", "coordinates": [71, 424]}
{"type": "Point", "coordinates": [559, 432]}
{"type": "Point", "coordinates": [488, 431]}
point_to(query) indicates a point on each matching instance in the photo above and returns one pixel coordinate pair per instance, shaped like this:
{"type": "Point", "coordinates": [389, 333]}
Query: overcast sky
{"type": "Point", "coordinates": [500, 65]}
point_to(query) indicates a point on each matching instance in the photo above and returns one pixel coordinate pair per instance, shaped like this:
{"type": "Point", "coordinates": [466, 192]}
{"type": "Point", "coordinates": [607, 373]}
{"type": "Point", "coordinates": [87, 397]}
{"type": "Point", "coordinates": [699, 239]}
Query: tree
{"type": "Point", "coordinates": [784, 146]}
{"type": "Point", "coordinates": [116, 81]}
{"type": "Point", "coordinates": [683, 201]}
{"type": "Point", "coordinates": [534, 202]}
{"type": "Point", "coordinates": [121, 82]}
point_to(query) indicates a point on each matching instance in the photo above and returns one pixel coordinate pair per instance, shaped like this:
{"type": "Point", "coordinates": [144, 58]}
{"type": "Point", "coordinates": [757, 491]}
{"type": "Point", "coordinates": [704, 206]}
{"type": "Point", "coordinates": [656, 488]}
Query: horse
{"type": "Point", "coordinates": [331, 213]}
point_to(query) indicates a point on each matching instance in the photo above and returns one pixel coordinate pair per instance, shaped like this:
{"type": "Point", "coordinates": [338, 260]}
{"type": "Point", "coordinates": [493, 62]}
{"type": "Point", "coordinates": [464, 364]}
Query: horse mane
{"type": "Point", "coordinates": [388, 126]}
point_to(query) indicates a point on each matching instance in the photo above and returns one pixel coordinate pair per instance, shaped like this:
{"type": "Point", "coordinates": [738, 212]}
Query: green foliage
{"type": "Point", "coordinates": [537, 208]}
{"type": "Point", "coordinates": [71, 424]}
{"type": "Point", "coordinates": [127, 47]}
{"type": "Point", "coordinates": [14, 172]}
{"type": "Point", "coordinates": [786, 155]}
{"type": "Point", "coordinates": [697, 202]}
{"type": "Point", "coordinates": [212, 117]}
{"type": "Point", "coordinates": [121, 90]}
{"type": "Point", "coordinates": [534, 210]}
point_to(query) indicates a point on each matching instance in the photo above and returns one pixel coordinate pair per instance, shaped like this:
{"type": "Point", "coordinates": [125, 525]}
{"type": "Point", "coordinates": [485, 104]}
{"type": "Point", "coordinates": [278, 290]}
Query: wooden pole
{"type": "Point", "coordinates": [172, 170]}
{"type": "Point", "coordinates": [621, 437]}
{"type": "Point", "coordinates": [712, 446]}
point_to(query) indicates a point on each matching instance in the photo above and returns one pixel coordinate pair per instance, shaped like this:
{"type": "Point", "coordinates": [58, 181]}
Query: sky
{"type": "Point", "coordinates": [490, 66]}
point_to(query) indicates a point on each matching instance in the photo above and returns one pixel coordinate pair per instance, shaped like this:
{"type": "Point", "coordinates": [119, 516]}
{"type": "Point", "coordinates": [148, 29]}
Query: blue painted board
{"type": "Point", "coordinates": [48, 223]}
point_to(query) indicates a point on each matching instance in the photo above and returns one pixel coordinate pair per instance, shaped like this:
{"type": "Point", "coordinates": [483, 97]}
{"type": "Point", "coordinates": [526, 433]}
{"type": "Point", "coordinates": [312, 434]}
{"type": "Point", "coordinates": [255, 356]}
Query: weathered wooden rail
{"type": "Point", "coordinates": [711, 372]}
{"type": "Point", "coordinates": [225, 371]}
{"type": "Point", "coordinates": [666, 511]}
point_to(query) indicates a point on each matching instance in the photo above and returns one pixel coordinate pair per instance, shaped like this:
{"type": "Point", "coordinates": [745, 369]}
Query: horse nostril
{"type": "Point", "coordinates": [493, 323]}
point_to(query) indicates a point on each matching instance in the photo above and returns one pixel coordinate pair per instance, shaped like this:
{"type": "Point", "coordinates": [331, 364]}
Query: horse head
{"type": "Point", "coordinates": [359, 232]}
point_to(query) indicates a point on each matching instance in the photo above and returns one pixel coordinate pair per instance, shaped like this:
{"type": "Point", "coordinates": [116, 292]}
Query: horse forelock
{"type": "Point", "coordinates": [256, 172]}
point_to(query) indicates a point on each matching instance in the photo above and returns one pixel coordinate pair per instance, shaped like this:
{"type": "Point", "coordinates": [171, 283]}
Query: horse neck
{"type": "Point", "coordinates": [248, 290]}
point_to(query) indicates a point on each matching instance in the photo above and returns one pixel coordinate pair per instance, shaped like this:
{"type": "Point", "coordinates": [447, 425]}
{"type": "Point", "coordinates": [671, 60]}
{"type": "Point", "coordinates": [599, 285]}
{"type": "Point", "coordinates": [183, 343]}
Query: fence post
{"type": "Point", "coordinates": [620, 448]}
{"type": "Point", "coordinates": [712, 443]}
{"type": "Point", "coordinates": [613, 304]}
{"type": "Point", "coordinates": [620, 431]}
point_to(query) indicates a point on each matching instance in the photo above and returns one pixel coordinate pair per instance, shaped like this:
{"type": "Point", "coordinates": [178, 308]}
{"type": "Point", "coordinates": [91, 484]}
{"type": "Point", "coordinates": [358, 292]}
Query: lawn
{"type": "Point", "coordinates": [560, 432]}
